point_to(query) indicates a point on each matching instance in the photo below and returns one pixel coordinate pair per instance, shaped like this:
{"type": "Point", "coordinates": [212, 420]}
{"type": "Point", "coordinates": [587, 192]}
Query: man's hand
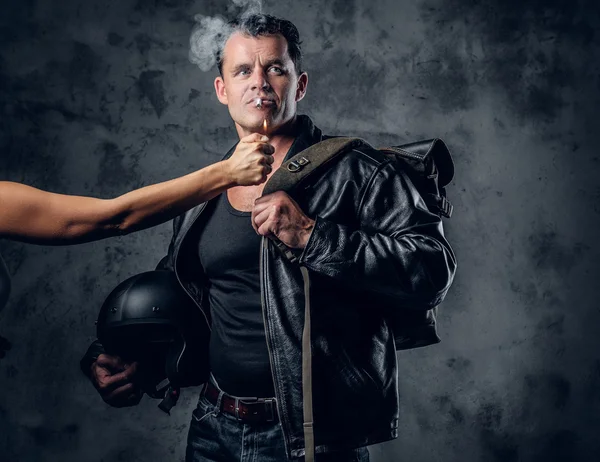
{"type": "Point", "coordinates": [114, 381]}
{"type": "Point", "coordinates": [279, 215]}
{"type": "Point", "coordinates": [250, 164]}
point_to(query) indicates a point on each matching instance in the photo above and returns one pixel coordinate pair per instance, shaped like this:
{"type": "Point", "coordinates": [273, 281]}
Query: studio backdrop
{"type": "Point", "coordinates": [100, 97]}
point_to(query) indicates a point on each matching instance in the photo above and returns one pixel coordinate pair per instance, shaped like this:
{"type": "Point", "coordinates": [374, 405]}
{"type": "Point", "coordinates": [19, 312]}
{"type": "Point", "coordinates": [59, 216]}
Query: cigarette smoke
{"type": "Point", "coordinates": [210, 32]}
{"type": "Point", "coordinates": [249, 6]}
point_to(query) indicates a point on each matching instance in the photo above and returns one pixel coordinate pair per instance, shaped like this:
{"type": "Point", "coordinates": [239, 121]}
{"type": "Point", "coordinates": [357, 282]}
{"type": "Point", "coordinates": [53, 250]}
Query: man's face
{"type": "Point", "coordinates": [259, 67]}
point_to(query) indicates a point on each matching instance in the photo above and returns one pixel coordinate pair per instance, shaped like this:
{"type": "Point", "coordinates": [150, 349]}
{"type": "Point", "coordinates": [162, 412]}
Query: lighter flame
{"type": "Point", "coordinates": [265, 125]}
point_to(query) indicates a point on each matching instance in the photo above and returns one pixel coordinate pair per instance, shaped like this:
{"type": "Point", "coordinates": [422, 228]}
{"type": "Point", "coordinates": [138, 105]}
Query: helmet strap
{"type": "Point", "coordinates": [170, 399]}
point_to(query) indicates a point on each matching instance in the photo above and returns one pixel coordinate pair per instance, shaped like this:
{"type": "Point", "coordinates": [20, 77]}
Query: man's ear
{"type": "Point", "coordinates": [220, 90]}
{"type": "Point", "coordinates": [302, 84]}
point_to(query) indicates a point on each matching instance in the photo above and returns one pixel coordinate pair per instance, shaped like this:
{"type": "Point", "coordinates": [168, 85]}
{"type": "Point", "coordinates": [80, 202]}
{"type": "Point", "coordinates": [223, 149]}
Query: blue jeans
{"type": "Point", "coordinates": [216, 436]}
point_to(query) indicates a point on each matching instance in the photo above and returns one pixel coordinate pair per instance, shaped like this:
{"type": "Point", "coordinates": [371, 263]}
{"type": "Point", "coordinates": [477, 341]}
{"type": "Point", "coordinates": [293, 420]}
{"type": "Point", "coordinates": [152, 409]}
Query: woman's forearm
{"type": "Point", "coordinates": [76, 219]}
{"type": "Point", "coordinates": [32, 215]}
{"type": "Point", "coordinates": [41, 217]}
{"type": "Point", "coordinates": [151, 205]}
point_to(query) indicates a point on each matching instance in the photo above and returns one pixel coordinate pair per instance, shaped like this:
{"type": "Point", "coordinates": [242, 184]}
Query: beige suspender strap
{"type": "Point", "coordinates": [309, 436]}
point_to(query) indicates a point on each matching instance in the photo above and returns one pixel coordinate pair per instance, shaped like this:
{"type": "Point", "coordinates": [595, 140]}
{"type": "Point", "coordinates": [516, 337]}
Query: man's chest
{"type": "Point", "coordinates": [227, 242]}
{"type": "Point", "coordinates": [242, 197]}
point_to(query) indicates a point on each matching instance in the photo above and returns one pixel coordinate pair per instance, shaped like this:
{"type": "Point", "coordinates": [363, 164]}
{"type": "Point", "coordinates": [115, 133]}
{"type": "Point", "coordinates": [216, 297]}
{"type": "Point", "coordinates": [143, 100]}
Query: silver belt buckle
{"type": "Point", "coordinates": [237, 409]}
{"type": "Point", "coordinates": [269, 405]}
{"type": "Point", "coordinates": [268, 402]}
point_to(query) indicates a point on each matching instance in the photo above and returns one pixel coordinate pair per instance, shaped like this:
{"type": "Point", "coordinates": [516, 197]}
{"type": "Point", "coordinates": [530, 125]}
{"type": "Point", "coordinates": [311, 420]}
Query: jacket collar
{"type": "Point", "coordinates": [308, 134]}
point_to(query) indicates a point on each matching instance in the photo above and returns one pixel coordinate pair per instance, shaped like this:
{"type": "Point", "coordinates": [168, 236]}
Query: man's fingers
{"type": "Point", "coordinates": [262, 203]}
{"type": "Point", "coordinates": [252, 220]}
{"type": "Point", "coordinates": [133, 367]}
{"type": "Point", "coordinates": [113, 363]}
{"type": "Point", "coordinates": [121, 393]}
{"type": "Point", "coordinates": [113, 382]}
{"type": "Point", "coordinates": [125, 396]}
{"type": "Point", "coordinates": [266, 228]}
{"type": "Point", "coordinates": [260, 217]}
{"type": "Point", "coordinates": [260, 213]}
{"type": "Point", "coordinates": [277, 195]}
{"type": "Point", "coordinates": [261, 220]}
{"type": "Point", "coordinates": [126, 375]}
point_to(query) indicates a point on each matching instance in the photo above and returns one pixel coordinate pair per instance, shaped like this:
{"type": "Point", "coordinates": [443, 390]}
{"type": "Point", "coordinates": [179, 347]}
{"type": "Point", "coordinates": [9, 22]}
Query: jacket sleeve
{"type": "Point", "coordinates": [96, 348]}
{"type": "Point", "coordinates": [398, 249]}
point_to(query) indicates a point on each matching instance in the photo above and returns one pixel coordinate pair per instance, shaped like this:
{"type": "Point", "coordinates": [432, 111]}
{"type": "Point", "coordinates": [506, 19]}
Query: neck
{"type": "Point", "coordinates": [281, 138]}
{"type": "Point", "coordinates": [288, 129]}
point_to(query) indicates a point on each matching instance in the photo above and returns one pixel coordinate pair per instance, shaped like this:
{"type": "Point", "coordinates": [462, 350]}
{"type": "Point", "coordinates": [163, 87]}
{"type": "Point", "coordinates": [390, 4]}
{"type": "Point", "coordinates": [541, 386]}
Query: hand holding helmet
{"type": "Point", "coordinates": [115, 381]}
{"type": "Point", "coordinates": [155, 339]}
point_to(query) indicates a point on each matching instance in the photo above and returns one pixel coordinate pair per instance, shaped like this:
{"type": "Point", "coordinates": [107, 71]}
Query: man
{"type": "Point", "coordinates": [366, 237]}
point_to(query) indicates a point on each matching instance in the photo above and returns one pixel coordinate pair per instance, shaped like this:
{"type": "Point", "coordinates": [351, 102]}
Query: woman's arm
{"type": "Point", "coordinates": [32, 215]}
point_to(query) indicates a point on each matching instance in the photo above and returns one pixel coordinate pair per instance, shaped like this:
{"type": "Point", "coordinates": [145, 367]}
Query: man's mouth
{"type": "Point", "coordinates": [260, 103]}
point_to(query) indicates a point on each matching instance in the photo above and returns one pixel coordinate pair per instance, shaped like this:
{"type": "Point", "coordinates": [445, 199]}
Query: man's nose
{"type": "Point", "coordinates": [260, 81]}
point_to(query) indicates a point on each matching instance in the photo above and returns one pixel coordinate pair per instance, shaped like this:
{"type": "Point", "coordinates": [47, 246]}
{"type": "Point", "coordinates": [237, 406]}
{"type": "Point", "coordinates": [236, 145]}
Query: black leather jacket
{"type": "Point", "coordinates": [375, 252]}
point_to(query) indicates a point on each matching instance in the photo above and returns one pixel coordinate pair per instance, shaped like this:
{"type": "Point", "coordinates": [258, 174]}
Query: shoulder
{"type": "Point", "coordinates": [358, 169]}
{"type": "Point", "coordinates": [369, 155]}
{"type": "Point", "coordinates": [364, 157]}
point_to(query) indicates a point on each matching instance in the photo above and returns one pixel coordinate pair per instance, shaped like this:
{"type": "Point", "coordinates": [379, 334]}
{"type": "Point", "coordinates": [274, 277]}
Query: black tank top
{"type": "Point", "coordinates": [229, 251]}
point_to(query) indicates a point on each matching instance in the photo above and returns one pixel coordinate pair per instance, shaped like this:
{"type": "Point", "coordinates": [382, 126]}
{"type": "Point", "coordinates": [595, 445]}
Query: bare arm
{"type": "Point", "coordinates": [32, 215]}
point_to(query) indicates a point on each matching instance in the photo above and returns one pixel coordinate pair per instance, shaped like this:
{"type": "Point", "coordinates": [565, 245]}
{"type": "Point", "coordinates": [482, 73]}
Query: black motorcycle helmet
{"type": "Point", "coordinates": [149, 318]}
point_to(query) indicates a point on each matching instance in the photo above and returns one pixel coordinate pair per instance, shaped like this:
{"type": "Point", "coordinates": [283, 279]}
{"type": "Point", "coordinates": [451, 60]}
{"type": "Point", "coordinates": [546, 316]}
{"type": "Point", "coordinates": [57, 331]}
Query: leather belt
{"type": "Point", "coordinates": [247, 410]}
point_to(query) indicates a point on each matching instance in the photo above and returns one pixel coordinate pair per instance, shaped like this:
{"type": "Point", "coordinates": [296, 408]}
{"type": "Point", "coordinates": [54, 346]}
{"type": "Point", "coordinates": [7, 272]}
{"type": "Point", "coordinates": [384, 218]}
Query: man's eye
{"type": "Point", "coordinates": [244, 72]}
{"type": "Point", "coordinates": [276, 70]}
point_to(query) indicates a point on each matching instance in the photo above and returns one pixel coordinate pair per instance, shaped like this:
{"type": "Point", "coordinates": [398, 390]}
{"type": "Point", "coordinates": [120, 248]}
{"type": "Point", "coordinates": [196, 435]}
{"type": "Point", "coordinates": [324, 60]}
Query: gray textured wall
{"type": "Point", "coordinates": [97, 97]}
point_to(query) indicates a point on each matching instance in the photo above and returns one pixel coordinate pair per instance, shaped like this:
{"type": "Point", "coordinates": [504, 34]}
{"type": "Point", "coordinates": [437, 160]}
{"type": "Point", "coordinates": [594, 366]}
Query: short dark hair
{"type": "Point", "coordinates": [264, 24]}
